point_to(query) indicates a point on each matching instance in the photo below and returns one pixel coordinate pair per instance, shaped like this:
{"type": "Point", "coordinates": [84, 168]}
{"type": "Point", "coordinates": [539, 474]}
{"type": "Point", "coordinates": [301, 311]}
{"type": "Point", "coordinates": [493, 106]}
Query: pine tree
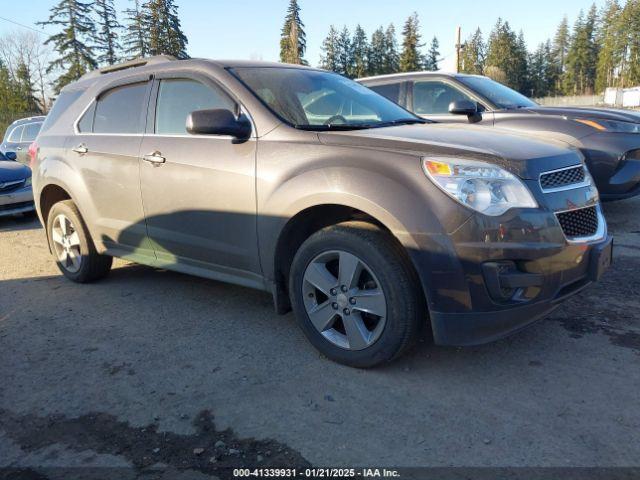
{"type": "Point", "coordinates": [375, 58]}
{"type": "Point", "coordinates": [560, 49]}
{"type": "Point", "coordinates": [520, 65]}
{"type": "Point", "coordinates": [473, 53]}
{"type": "Point", "coordinates": [506, 55]}
{"type": "Point", "coordinates": [391, 62]}
{"type": "Point", "coordinates": [106, 40]}
{"type": "Point", "coordinates": [345, 53]}
{"type": "Point", "coordinates": [293, 39]}
{"type": "Point", "coordinates": [579, 77]}
{"type": "Point", "coordinates": [75, 55]}
{"type": "Point", "coordinates": [538, 81]}
{"type": "Point", "coordinates": [135, 41]}
{"type": "Point", "coordinates": [26, 89]}
{"type": "Point", "coordinates": [608, 36]}
{"type": "Point", "coordinates": [410, 58]}
{"type": "Point", "coordinates": [360, 49]}
{"type": "Point", "coordinates": [329, 55]}
{"type": "Point", "coordinates": [165, 37]}
{"type": "Point", "coordinates": [631, 27]}
{"type": "Point", "coordinates": [432, 57]}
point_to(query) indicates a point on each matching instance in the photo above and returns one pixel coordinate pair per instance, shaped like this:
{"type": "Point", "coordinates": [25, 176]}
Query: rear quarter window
{"type": "Point", "coordinates": [64, 101]}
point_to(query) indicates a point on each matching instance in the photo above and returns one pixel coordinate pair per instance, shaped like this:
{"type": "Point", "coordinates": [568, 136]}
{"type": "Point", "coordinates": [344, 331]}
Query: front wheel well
{"type": "Point", "coordinates": [296, 231]}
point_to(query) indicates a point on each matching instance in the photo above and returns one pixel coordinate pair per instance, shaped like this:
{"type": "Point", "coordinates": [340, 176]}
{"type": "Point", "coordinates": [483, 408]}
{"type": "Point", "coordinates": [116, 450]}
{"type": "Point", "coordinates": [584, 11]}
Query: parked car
{"type": "Point", "coordinates": [308, 185]}
{"type": "Point", "coordinates": [19, 135]}
{"type": "Point", "coordinates": [609, 139]}
{"type": "Point", "coordinates": [16, 195]}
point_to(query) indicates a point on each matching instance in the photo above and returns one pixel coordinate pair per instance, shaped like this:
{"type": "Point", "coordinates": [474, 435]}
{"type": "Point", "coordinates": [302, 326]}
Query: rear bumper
{"type": "Point", "coordinates": [475, 328]}
{"type": "Point", "coordinates": [17, 201]}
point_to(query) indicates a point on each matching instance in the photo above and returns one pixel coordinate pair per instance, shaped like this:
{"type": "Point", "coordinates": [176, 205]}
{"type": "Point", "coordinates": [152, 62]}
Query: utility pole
{"type": "Point", "coordinates": [458, 48]}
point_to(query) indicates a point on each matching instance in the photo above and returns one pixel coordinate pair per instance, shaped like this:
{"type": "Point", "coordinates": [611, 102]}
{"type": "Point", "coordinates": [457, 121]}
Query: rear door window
{"type": "Point", "coordinates": [177, 98]}
{"type": "Point", "coordinates": [389, 90]}
{"type": "Point", "coordinates": [121, 109]}
{"type": "Point", "coordinates": [31, 131]}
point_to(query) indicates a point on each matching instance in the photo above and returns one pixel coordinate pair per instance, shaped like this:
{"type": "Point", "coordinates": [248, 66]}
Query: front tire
{"type": "Point", "coordinates": [355, 294]}
{"type": "Point", "coordinates": [72, 246]}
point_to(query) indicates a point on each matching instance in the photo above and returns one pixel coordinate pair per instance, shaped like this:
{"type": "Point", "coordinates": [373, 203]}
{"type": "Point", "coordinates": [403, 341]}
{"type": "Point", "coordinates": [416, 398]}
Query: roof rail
{"type": "Point", "coordinates": [136, 62]}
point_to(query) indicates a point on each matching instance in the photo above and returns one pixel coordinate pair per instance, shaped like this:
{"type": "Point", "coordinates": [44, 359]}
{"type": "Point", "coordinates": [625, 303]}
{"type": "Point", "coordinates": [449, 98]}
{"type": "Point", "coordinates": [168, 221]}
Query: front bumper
{"type": "Point", "coordinates": [16, 201]}
{"type": "Point", "coordinates": [475, 328]}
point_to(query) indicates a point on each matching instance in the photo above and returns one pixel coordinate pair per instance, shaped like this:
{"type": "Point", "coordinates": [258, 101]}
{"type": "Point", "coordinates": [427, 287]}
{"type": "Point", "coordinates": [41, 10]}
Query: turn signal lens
{"type": "Point", "coordinates": [33, 152]}
{"type": "Point", "coordinates": [437, 168]}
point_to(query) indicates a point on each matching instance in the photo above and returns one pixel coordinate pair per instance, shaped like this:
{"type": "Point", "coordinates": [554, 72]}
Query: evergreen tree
{"type": "Point", "coordinates": [410, 58]}
{"type": "Point", "coordinates": [329, 55]}
{"type": "Point", "coordinates": [472, 56]}
{"type": "Point", "coordinates": [375, 58]}
{"type": "Point", "coordinates": [608, 36]}
{"type": "Point", "coordinates": [505, 53]}
{"type": "Point", "coordinates": [26, 90]}
{"type": "Point", "coordinates": [293, 39]}
{"type": "Point", "coordinates": [345, 53]}
{"type": "Point", "coordinates": [391, 62]}
{"type": "Point", "coordinates": [538, 81]}
{"type": "Point", "coordinates": [360, 51]}
{"type": "Point", "coordinates": [579, 77]}
{"type": "Point", "coordinates": [162, 24]}
{"type": "Point", "coordinates": [520, 65]}
{"type": "Point", "coordinates": [106, 40]}
{"type": "Point", "coordinates": [75, 55]}
{"type": "Point", "coordinates": [432, 57]}
{"type": "Point", "coordinates": [560, 49]}
{"type": "Point", "coordinates": [630, 70]}
{"type": "Point", "coordinates": [135, 41]}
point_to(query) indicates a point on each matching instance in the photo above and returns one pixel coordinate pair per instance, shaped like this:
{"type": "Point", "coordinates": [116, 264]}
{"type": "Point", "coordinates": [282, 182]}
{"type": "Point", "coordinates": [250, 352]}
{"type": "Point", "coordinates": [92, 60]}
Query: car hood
{"type": "Point", "coordinates": [577, 112]}
{"type": "Point", "coordinates": [11, 171]}
{"type": "Point", "coordinates": [521, 155]}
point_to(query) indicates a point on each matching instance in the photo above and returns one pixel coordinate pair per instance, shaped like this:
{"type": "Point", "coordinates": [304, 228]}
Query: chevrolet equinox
{"type": "Point", "coordinates": [345, 206]}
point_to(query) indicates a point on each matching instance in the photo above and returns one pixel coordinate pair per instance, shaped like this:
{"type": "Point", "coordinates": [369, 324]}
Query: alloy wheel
{"type": "Point", "coordinates": [66, 243]}
{"type": "Point", "coordinates": [344, 300]}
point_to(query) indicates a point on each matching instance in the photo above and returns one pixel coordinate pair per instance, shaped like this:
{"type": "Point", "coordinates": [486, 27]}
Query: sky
{"type": "Point", "coordinates": [250, 29]}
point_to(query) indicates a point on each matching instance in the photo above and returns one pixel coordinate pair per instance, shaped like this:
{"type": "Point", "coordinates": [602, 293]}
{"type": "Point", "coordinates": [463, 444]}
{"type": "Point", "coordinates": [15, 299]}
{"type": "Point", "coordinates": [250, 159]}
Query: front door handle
{"type": "Point", "coordinates": [81, 149]}
{"type": "Point", "coordinates": [154, 157]}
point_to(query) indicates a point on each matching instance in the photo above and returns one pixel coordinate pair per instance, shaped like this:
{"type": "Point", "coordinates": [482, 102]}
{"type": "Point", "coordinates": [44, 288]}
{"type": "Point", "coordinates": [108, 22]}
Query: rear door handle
{"type": "Point", "coordinates": [18, 148]}
{"type": "Point", "coordinates": [154, 157]}
{"type": "Point", "coordinates": [82, 148]}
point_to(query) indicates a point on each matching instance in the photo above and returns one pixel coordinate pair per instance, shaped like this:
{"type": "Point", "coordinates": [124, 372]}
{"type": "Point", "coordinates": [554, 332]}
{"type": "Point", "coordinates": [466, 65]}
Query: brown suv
{"type": "Point", "coordinates": [368, 222]}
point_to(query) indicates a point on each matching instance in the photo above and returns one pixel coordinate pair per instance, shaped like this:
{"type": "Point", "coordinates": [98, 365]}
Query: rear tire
{"type": "Point", "coordinates": [373, 318]}
{"type": "Point", "coordinates": [72, 246]}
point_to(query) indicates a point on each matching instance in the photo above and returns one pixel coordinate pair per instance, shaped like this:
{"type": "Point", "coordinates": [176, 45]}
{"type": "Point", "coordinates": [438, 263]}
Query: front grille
{"type": "Point", "coordinates": [579, 223]}
{"type": "Point", "coordinates": [11, 186]}
{"type": "Point", "coordinates": [562, 178]}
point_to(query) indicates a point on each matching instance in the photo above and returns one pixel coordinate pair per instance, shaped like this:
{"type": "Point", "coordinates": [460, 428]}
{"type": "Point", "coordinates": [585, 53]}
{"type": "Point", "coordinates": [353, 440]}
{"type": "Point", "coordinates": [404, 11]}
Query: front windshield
{"type": "Point", "coordinates": [318, 100]}
{"type": "Point", "coordinates": [501, 95]}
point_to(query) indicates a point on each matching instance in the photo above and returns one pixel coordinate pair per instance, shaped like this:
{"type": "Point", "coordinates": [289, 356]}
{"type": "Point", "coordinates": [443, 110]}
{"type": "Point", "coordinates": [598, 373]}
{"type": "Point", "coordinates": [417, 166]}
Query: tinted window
{"type": "Point", "coordinates": [63, 102]}
{"type": "Point", "coordinates": [391, 91]}
{"type": "Point", "coordinates": [178, 98]}
{"type": "Point", "coordinates": [31, 132]}
{"type": "Point", "coordinates": [86, 122]}
{"type": "Point", "coordinates": [499, 94]}
{"type": "Point", "coordinates": [434, 97]}
{"type": "Point", "coordinates": [119, 110]}
{"type": "Point", "coordinates": [16, 134]}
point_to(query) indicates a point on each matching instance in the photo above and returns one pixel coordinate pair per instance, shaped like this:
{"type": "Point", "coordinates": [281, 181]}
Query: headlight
{"type": "Point", "coordinates": [486, 188]}
{"type": "Point", "coordinates": [611, 125]}
{"type": "Point", "coordinates": [27, 182]}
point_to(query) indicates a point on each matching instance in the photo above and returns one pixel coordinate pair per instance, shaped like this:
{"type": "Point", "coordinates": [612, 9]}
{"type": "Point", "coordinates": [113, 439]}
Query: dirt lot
{"type": "Point", "coordinates": [155, 368]}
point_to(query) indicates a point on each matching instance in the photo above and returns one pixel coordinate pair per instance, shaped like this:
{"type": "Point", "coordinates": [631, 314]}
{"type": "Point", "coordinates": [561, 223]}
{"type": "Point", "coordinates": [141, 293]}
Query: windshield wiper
{"type": "Point", "coordinates": [325, 128]}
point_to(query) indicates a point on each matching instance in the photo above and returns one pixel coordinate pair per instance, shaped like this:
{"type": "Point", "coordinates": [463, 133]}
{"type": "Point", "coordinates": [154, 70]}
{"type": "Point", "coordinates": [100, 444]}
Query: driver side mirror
{"type": "Point", "coordinates": [11, 155]}
{"type": "Point", "coordinates": [219, 121]}
{"type": "Point", "coordinates": [463, 107]}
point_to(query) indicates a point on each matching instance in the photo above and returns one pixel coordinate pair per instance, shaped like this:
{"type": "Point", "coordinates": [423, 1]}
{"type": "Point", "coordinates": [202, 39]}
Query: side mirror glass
{"type": "Point", "coordinates": [463, 107]}
{"type": "Point", "coordinates": [219, 121]}
{"type": "Point", "coordinates": [11, 155]}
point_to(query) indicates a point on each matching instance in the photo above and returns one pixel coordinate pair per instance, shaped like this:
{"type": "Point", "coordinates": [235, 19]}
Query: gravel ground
{"type": "Point", "coordinates": [153, 368]}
